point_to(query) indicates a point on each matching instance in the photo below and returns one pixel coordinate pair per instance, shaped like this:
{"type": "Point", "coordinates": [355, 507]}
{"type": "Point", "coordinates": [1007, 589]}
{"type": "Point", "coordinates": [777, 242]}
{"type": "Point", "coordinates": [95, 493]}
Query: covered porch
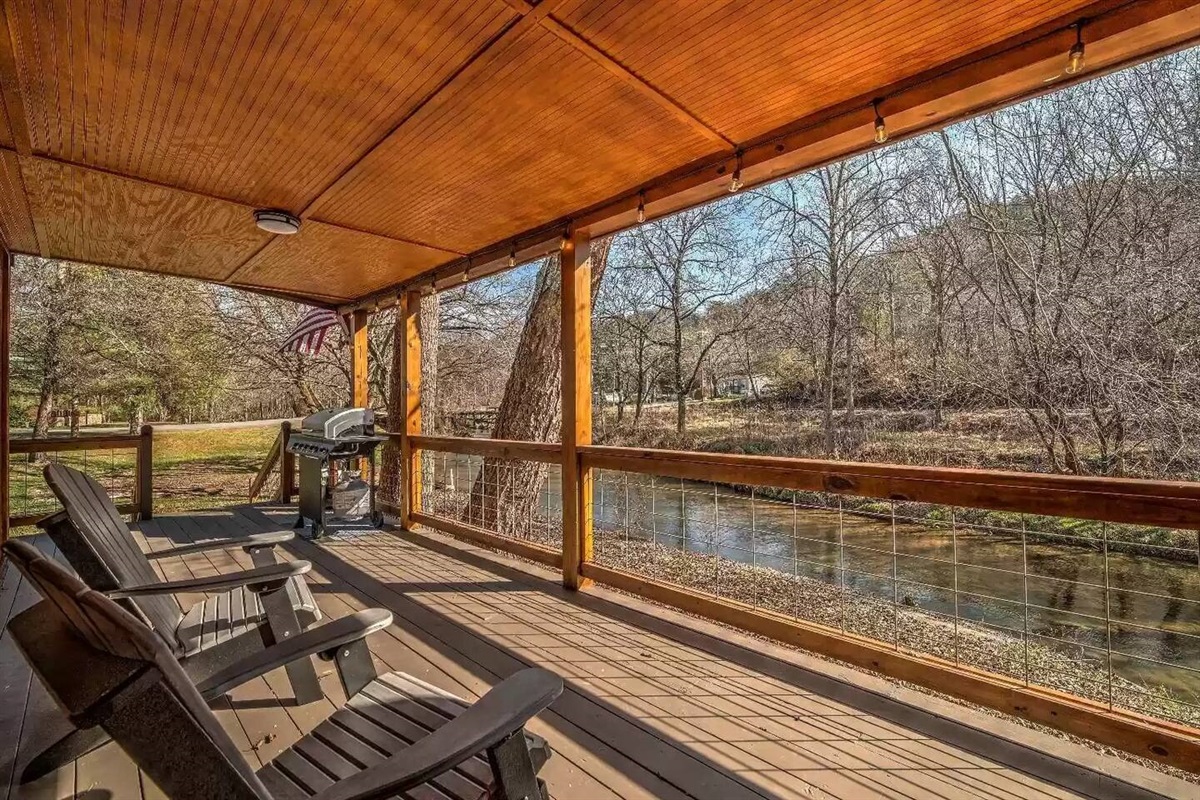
{"type": "Point", "coordinates": [659, 704]}
{"type": "Point", "coordinates": [728, 625]}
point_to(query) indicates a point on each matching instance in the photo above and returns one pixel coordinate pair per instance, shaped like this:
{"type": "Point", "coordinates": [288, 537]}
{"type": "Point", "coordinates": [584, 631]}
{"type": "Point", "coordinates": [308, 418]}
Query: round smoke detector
{"type": "Point", "coordinates": [273, 220]}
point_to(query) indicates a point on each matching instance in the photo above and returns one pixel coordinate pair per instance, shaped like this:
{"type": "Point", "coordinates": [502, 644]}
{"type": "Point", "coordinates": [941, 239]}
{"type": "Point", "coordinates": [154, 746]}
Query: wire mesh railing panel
{"type": "Point", "coordinates": [513, 498]}
{"type": "Point", "coordinates": [269, 491]}
{"type": "Point", "coordinates": [30, 497]}
{"type": "Point", "coordinates": [1105, 611]}
{"type": "Point", "coordinates": [391, 479]}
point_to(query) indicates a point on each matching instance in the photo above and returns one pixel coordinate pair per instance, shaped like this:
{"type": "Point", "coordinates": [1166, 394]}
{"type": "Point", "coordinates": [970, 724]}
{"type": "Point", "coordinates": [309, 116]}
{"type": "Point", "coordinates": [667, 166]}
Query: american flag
{"type": "Point", "coordinates": [309, 334]}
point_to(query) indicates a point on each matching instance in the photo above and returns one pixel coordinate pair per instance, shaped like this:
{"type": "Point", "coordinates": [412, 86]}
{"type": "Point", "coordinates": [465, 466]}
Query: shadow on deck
{"type": "Point", "coordinates": [657, 704]}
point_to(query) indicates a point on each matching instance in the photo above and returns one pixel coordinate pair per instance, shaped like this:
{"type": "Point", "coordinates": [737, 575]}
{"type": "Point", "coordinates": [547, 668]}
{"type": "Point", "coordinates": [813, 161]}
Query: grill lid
{"type": "Point", "coordinates": [340, 423]}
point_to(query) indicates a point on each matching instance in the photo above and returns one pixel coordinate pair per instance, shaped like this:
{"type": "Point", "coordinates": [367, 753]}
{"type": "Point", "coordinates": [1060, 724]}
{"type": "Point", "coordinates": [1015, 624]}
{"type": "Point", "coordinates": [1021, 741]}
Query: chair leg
{"type": "Point", "coordinates": [75, 744]}
{"type": "Point", "coordinates": [283, 624]}
{"type": "Point", "coordinates": [512, 770]}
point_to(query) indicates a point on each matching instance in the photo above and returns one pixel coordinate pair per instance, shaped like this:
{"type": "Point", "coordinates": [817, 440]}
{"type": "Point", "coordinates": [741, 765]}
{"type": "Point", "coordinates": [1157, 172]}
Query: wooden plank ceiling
{"type": "Point", "coordinates": [426, 137]}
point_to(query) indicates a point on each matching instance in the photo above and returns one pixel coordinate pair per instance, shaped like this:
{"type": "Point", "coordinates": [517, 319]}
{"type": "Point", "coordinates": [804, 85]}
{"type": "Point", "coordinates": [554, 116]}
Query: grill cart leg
{"type": "Point", "coordinates": [376, 515]}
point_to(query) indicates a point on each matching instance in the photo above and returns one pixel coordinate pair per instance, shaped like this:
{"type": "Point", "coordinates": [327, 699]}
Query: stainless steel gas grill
{"type": "Point", "coordinates": [325, 440]}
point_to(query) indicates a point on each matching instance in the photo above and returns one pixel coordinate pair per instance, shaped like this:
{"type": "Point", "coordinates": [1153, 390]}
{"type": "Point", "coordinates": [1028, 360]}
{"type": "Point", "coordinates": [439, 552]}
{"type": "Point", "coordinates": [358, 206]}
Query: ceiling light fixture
{"type": "Point", "coordinates": [274, 220]}
{"type": "Point", "coordinates": [641, 217]}
{"type": "Point", "coordinates": [1075, 56]}
{"type": "Point", "coordinates": [512, 256]}
{"type": "Point", "coordinates": [735, 180]}
{"type": "Point", "coordinates": [881, 134]}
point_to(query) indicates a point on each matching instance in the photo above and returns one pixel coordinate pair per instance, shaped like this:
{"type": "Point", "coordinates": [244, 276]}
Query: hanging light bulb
{"type": "Point", "coordinates": [641, 207]}
{"type": "Point", "coordinates": [512, 256]}
{"type": "Point", "coordinates": [881, 134]}
{"type": "Point", "coordinates": [1075, 57]}
{"type": "Point", "coordinates": [735, 180]}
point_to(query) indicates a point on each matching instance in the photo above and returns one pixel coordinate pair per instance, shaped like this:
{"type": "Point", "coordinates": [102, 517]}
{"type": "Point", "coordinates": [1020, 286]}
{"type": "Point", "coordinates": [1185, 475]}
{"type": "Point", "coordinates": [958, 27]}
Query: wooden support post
{"type": "Point", "coordinates": [410, 457]}
{"type": "Point", "coordinates": [5, 331]}
{"type": "Point", "coordinates": [576, 406]}
{"type": "Point", "coordinates": [359, 385]}
{"type": "Point", "coordinates": [287, 464]}
{"type": "Point", "coordinates": [145, 473]}
{"type": "Point", "coordinates": [359, 397]}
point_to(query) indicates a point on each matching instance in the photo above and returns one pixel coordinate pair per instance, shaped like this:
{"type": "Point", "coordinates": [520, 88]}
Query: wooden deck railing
{"type": "Point", "coordinates": [277, 457]}
{"type": "Point", "coordinates": [31, 500]}
{"type": "Point", "coordinates": [888, 574]}
{"type": "Point", "coordinates": [543, 452]}
{"type": "Point", "coordinates": [1173, 504]}
{"type": "Point", "coordinates": [447, 485]}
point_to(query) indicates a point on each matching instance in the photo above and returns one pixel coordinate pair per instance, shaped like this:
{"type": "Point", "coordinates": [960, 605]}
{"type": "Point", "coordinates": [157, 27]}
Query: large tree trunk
{"type": "Point", "coordinates": [430, 334]}
{"type": "Point", "coordinates": [677, 352]}
{"type": "Point", "coordinates": [505, 493]}
{"type": "Point", "coordinates": [391, 465]}
{"type": "Point", "coordinates": [849, 376]}
{"type": "Point", "coordinates": [504, 497]}
{"type": "Point", "coordinates": [45, 410]}
{"type": "Point", "coordinates": [136, 416]}
{"type": "Point", "coordinates": [42, 419]}
{"type": "Point", "coordinates": [827, 379]}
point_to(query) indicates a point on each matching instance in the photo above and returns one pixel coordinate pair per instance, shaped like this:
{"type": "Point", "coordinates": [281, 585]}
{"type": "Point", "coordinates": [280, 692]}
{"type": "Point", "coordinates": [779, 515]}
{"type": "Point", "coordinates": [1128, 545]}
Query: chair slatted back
{"type": "Point", "coordinates": [159, 718]}
{"type": "Point", "coordinates": [106, 538]}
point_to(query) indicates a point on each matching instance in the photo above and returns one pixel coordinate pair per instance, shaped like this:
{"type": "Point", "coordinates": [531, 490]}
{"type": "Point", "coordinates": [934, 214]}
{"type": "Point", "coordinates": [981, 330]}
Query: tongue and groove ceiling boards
{"type": "Point", "coordinates": [420, 138]}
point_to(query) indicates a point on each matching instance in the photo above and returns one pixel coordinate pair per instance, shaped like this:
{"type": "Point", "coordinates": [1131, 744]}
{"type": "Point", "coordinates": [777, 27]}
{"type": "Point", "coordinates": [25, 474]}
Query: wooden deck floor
{"type": "Point", "coordinates": [653, 708]}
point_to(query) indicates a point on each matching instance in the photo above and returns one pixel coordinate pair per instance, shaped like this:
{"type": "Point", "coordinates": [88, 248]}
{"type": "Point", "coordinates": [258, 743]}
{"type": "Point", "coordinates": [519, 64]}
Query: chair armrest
{"type": "Point", "coordinates": [500, 713]}
{"type": "Point", "coordinates": [267, 539]}
{"type": "Point", "coordinates": [315, 641]}
{"type": "Point", "coordinates": [259, 579]}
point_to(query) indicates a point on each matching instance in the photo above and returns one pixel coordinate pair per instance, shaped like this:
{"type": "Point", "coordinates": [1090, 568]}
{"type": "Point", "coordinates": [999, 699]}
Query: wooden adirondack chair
{"type": "Point", "coordinates": [105, 667]}
{"type": "Point", "coordinates": [255, 608]}
{"type": "Point", "coordinates": [246, 611]}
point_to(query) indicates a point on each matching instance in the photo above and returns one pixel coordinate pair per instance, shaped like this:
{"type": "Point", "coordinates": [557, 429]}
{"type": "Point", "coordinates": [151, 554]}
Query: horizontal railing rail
{"type": "Point", "coordinates": [1174, 504]}
{"type": "Point", "coordinates": [134, 472]}
{"type": "Point", "coordinates": [57, 444]}
{"type": "Point", "coordinates": [543, 452]}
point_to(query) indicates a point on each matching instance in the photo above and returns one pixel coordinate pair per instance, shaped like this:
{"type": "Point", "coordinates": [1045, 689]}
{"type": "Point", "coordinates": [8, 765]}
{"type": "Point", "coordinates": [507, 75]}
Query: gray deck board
{"type": "Point", "coordinates": [649, 710]}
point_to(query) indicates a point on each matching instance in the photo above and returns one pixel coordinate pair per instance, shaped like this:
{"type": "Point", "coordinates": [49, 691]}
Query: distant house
{"type": "Point", "coordinates": [743, 385]}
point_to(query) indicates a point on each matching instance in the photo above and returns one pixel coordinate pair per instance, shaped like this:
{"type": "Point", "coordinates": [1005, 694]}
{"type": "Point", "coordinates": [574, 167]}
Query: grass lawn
{"type": "Point", "coordinates": [195, 468]}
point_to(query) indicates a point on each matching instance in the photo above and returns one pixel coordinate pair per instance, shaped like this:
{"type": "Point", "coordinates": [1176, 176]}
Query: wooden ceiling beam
{"type": "Point", "coordinates": [623, 73]}
{"type": "Point", "coordinates": [1024, 66]}
{"type": "Point", "coordinates": [14, 111]}
{"type": "Point", "coordinates": [321, 300]}
{"type": "Point", "coordinates": [10, 89]}
{"type": "Point", "coordinates": [460, 77]}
